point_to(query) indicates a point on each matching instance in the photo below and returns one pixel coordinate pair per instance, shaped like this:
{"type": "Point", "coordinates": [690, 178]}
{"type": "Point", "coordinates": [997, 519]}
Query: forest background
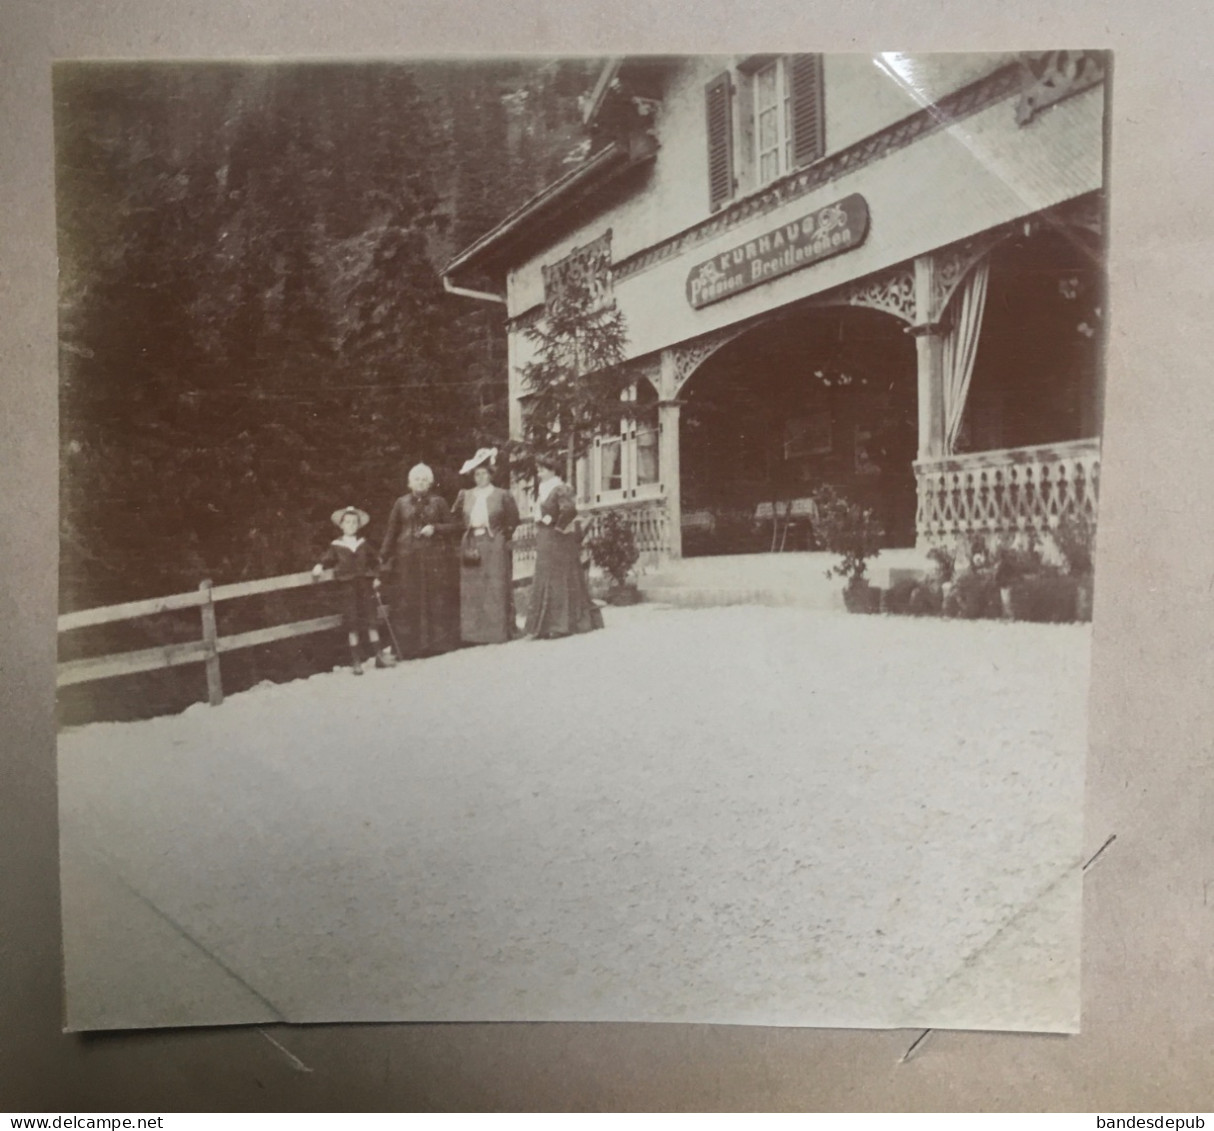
{"type": "Point", "coordinates": [253, 329]}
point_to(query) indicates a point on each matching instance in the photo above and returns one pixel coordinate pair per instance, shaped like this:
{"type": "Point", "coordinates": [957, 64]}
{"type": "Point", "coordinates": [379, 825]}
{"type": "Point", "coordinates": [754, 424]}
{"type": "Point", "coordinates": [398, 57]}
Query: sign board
{"type": "Point", "coordinates": [828, 231]}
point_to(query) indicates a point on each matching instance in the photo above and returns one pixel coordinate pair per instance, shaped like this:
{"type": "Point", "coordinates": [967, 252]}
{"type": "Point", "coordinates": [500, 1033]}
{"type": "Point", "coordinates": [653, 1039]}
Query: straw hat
{"type": "Point", "coordinates": [363, 517]}
{"type": "Point", "coordinates": [483, 456]}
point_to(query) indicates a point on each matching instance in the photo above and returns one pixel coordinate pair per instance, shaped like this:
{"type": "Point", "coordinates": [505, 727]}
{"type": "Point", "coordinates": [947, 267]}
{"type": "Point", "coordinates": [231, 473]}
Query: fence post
{"type": "Point", "coordinates": [210, 641]}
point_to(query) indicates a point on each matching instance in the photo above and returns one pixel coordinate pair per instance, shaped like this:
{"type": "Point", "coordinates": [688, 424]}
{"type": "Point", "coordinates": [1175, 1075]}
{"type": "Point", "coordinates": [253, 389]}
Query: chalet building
{"type": "Point", "coordinates": [882, 273]}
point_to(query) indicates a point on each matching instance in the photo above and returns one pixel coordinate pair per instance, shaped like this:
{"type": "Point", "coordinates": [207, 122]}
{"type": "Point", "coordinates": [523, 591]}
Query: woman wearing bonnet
{"type": "Point", "coordinates": [418, 557]}
{"type": "Point", "coordinates": [560, 600]}
{"type": "Point", "coordinates": [488, 515]}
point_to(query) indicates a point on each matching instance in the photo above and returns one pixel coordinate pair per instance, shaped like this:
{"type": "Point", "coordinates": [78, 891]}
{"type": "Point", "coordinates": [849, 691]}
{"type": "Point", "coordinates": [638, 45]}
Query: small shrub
{"type": "Point", "coordinates": [974, 595]}
{"type": "Point", "coordinates": [1075, 537]}
{"type": "Point", "coordinates": [925, 601]}
{"type": "Point", "coordinates": [1011, 563]}
{"type": "Point", "coordinates": [614, 549]}
{"type": "Point", "coordinates": [945, 561]}
{"type": "Point", "coordinates": [845, 528]}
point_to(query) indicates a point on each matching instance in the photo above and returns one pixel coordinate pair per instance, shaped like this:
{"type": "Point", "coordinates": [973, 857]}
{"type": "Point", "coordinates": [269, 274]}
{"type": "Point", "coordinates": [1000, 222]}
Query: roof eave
{"type": "Point", "coordinates": [616, 157]}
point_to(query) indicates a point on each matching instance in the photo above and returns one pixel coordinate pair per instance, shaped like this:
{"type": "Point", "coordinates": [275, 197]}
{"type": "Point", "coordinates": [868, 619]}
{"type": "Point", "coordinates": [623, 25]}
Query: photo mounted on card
{"type": "Point", "coordinates": [589, 539]}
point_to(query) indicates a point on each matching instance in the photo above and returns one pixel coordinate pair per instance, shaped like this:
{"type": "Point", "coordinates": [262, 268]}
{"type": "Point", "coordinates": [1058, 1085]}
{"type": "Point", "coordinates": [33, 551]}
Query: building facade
{"type": "Point", "coordinates": [882, 273]}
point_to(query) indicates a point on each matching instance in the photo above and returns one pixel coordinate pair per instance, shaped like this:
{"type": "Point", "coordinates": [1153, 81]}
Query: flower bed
{"type": "Point", "coordinates": [1025, 580]}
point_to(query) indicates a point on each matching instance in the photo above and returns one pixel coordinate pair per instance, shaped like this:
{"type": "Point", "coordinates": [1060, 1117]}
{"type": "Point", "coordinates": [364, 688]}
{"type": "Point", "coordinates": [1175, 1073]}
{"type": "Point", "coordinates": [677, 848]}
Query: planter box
{"type": "Point", "coordinates": [912, 598]}
{"type": "Point", "coordinates": [862, 598]}
{"type": "Point", "coordinates": [1046, 599]}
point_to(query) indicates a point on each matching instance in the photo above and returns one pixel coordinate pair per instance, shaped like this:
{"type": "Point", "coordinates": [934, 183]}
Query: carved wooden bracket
{"type": "Point", "coordinates": [689, 356]}
{"type": "Point", "coordinates": [1051, 76]}
{"type": "Point", "coordinates": [647, 369]}
{"type": "Point", "coordinates": [954, 263]}
{"type": "Point", "coordinates": [892, 292]}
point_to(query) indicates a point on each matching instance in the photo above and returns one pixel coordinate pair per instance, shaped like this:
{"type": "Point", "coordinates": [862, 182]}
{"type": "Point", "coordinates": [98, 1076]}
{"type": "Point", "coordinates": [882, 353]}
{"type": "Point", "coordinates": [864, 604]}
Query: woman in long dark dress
{"type": "Point", "coordinates": [560, 600]}
{"type": "Point", "coordinates": [488, 516]}
{"type": "Point", "coordinates": [419, 559]}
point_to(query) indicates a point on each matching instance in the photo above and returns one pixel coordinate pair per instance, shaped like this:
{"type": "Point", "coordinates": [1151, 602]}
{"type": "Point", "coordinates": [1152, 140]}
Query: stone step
{"type": "Point", "coordinates": [690, 596]}
{"type": "Point", "coordinates": [794, 571]}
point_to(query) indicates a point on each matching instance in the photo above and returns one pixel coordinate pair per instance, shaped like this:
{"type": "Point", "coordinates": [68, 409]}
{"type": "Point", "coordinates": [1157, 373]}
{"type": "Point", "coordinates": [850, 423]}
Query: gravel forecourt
{"type": "Point", "coordinates": [742, 815]}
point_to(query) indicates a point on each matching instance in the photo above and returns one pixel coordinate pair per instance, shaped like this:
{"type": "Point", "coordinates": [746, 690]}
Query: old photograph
{"type": "Point", "coordinates": [578, 539]}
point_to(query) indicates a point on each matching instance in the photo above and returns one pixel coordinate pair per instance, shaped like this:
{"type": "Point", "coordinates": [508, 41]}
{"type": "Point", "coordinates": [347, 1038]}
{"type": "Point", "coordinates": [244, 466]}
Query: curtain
{"type": "Point", "coordinates": [647, 456]}
{"type": "Point", "coordinates": [961, 347]}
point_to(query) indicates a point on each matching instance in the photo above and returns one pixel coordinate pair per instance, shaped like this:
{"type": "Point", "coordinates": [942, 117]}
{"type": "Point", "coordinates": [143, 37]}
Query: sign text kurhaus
{"type": "Point", "coordinates": [826, 232]}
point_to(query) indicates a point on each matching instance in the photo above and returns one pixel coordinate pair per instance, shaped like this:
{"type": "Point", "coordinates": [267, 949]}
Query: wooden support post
{"type": "Point", "coordinates": [669, 472]}
{"type": "Point", "coordinates": [210, 642]}
{"type": "Point", "coordinates": [929, 342]}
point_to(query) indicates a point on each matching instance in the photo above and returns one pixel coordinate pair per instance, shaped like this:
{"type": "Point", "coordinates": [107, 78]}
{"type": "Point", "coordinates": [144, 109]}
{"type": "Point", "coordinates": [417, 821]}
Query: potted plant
{"type": "Point", "coordinates": [1010, 564]}
{"type": "Point", "coordinates": [945, 562]}
{"type": "Point", "coordinates": [974, 593]}
{"type": "Point", "coordinates": [1075, 537]}
{"type": "Point", "coordinates": [614, 550]}
{"type": "Point", "coordinates": [845, 528]}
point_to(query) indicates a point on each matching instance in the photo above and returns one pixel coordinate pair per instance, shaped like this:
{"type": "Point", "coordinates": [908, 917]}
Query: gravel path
{"type": "Point", "coordinates": [741, 815]}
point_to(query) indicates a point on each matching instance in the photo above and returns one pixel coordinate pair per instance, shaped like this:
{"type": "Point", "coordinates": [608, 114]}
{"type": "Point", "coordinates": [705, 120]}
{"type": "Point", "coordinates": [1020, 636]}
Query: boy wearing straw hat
{"type": "Point", "coordinates": [354, 563]}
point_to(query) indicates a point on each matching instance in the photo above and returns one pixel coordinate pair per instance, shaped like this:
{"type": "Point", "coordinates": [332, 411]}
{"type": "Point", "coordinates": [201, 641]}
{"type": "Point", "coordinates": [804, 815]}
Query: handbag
{"type": "Point", "coordinates": [470, 556]}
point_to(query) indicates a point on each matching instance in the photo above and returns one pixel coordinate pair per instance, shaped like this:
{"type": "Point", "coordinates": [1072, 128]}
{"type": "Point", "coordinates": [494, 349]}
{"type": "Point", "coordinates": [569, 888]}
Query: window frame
{"type": "Point", "coordinates": [781, 108]}
{"type": "Point", "coordinates": [627, 437]}
{"type": "Point", "coordinates": [745, 149]}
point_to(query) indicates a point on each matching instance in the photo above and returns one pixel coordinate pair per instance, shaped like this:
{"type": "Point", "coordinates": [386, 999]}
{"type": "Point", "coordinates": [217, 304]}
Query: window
{"type": "Point", "coordinates": [627, 464]}
{"type": "Point", "coordinates": [645, 434]}
{"type": "Point", "coordinates": [611, 465]}
{"type": "Point", "coordinates": [773, 135]}
{"type": "Point", "coordinates": [764, 120]}
{"type": "Point", "coordinates": [647, 456]}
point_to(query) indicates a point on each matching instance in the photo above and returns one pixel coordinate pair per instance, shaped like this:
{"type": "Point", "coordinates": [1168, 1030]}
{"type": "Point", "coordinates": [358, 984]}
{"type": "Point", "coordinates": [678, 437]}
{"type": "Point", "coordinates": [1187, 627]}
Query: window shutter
{"type": "Point", "coordinates": [808, 120]}
{"type": "Point", "coordinates": [720, 140]}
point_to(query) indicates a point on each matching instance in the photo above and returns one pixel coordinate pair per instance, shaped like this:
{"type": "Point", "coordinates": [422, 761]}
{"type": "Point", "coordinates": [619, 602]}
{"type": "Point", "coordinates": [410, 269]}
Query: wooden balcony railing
{"type": "Point", "coordinates": [649, 519]}
{"type": "Point", "coordinates": [1008, 492]}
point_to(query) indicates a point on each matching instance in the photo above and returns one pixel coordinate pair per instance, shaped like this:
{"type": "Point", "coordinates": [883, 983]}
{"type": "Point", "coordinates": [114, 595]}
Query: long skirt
{"type": "Point", "coordinates": [486, 597]}
{"type": "Point", "coordinates": [423, 593]}
{"type": "Point", "coordinates": [560, 600]}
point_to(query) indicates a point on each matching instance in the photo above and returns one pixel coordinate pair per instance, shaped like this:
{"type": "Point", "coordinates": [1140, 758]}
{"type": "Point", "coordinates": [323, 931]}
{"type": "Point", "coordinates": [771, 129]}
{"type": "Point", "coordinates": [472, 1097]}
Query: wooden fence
{"type": "Point", "coordinates": [206, 650]}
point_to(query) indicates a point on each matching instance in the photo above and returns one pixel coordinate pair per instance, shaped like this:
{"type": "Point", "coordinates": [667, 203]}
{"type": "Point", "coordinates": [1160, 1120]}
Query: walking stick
{"type": "Point", "coordinates": [383, 615]}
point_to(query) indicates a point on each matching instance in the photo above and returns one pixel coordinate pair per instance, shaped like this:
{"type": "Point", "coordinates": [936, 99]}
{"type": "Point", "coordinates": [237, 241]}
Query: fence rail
{"type": "Point", "coordinates": [209, 647]}
{"type": "Point", "coordinates": [205, 650]}
{"type": "Point", "coordinates": [648, 519]}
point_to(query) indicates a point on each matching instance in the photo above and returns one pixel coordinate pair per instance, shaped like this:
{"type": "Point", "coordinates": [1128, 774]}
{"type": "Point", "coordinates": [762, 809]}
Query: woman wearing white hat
{"type": "Point", "coordinates": [419, 558]}
{"type": "Point", "coordinates": [488, 515]}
